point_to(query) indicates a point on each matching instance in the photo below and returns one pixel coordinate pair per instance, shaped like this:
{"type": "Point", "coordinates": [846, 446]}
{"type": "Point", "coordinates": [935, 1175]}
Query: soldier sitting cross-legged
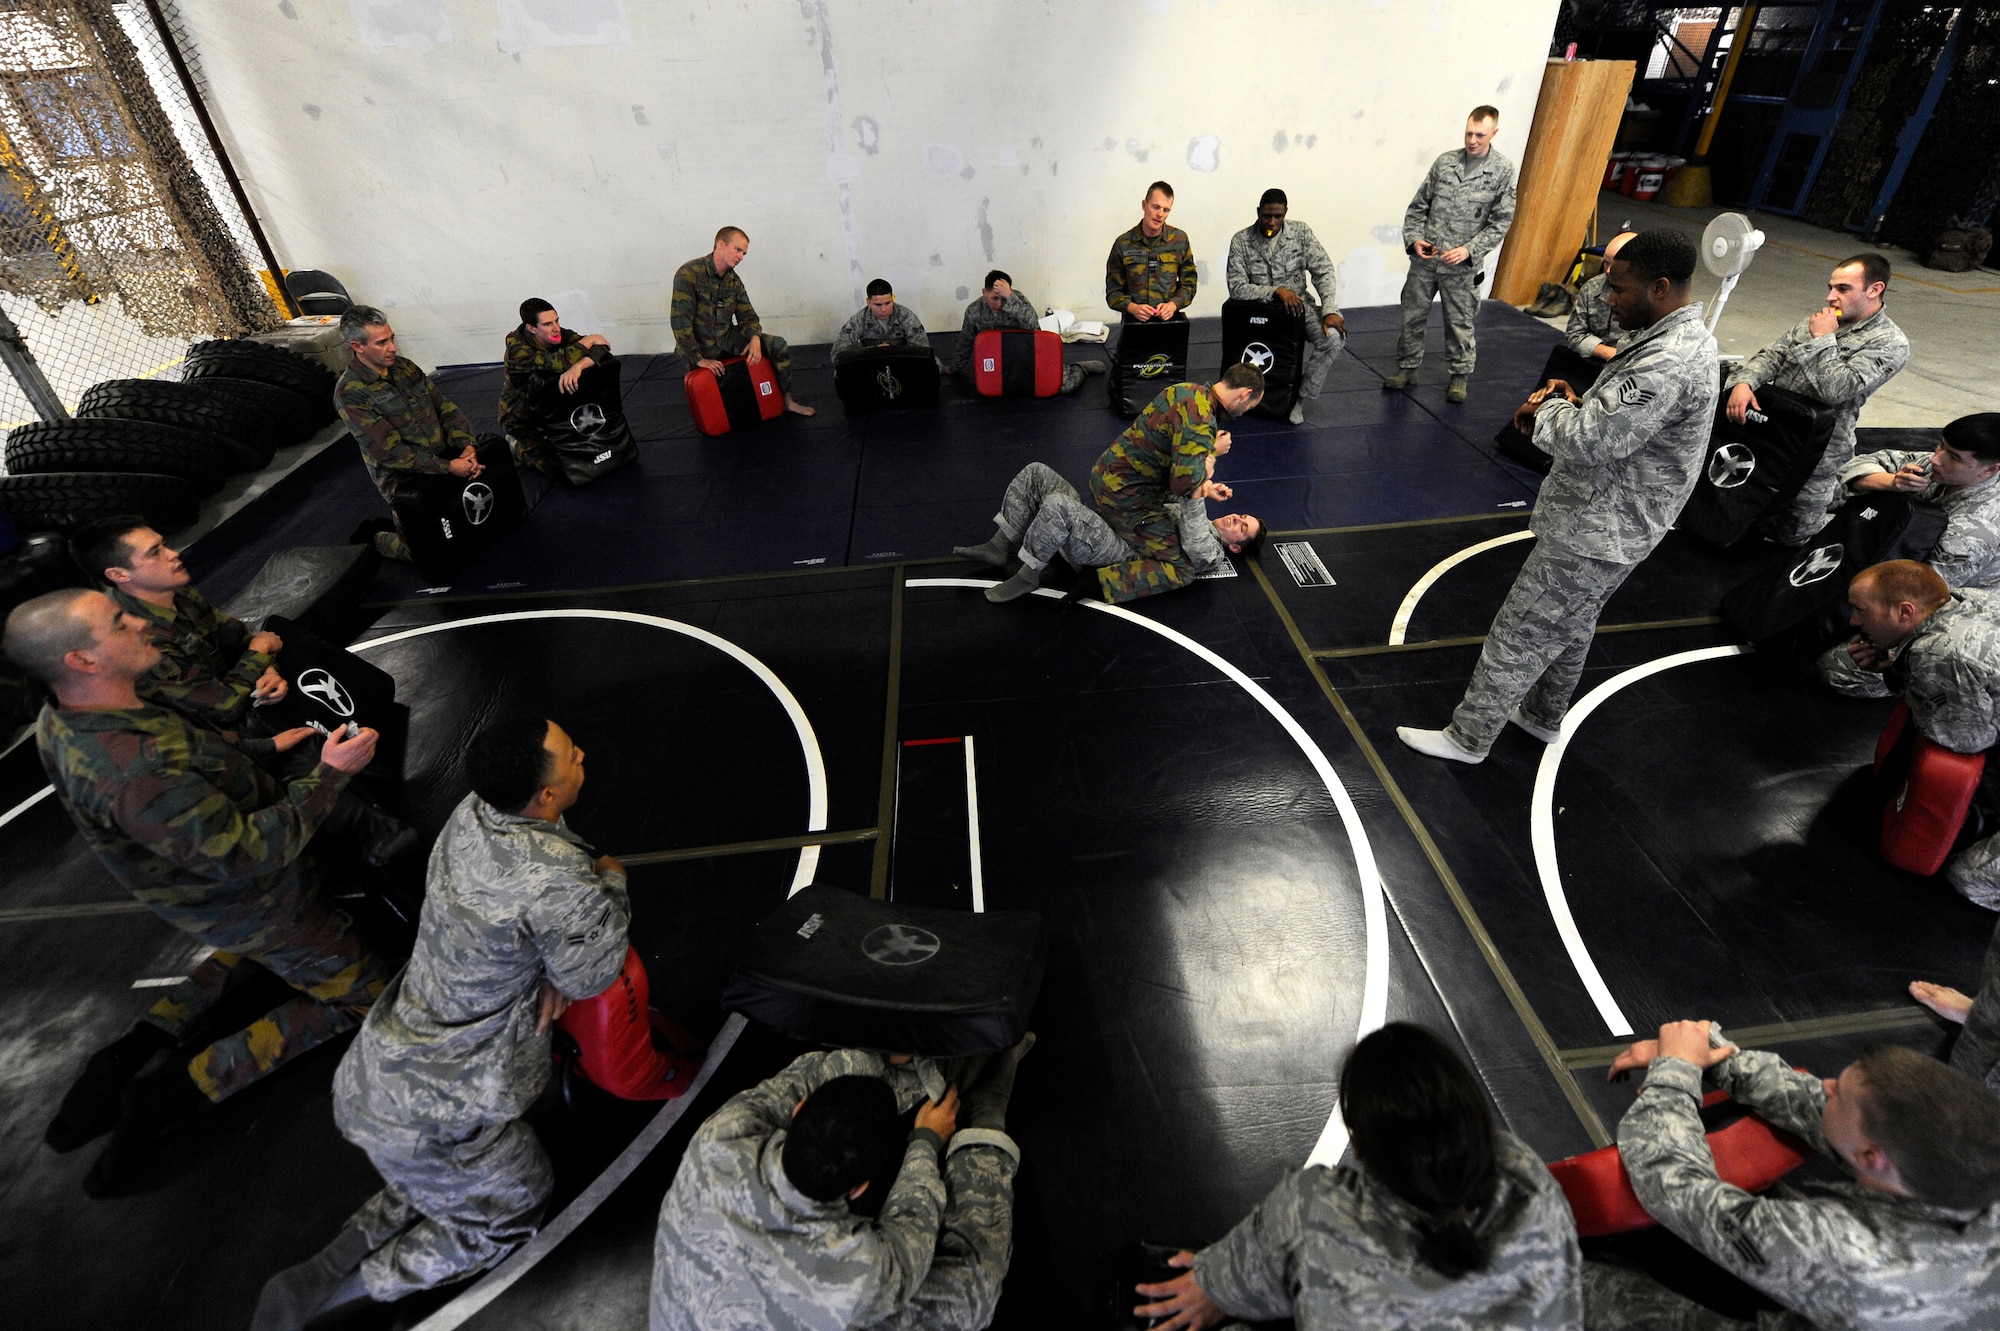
{"type": "Point", "coordinates": [187, 820]}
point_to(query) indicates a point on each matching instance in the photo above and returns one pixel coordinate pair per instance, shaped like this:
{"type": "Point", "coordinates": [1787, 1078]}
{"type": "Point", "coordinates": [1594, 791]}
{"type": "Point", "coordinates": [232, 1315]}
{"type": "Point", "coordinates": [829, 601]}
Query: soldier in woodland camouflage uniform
{"type": "Point", "coordinates": [1591, 331]}
{"type": "Point", "coordinates": [1913, 1242]}
{"type": "Point", "coordinates": [519, 919]}
{"type": "Point", "coordinates": [1163, 457]}
{"type": "Point", "coordinates": [1042, 516]}
{"type": "Point", "coordinates": [747, 1238]}
{"type": "Point", "coordinates": [1441, 1223]}
{"type": "Point", "coordinates": [1940, 650]}
{"type": "Point", "coordinates": [1627, 456]}
{"type": "Point", "coordinates": [1457, 218]}
{"type": "Point", "coordinates": [1273, 260]}
{"type": "Point", "coordinates": [1000, 306]}
{"type": "Point", "coordinates": [1150, 272]}
{"type": "Point", "coordinates": [186, 820]}
{"type": "Point", "coordinates": [713, 319]}
{"type": "Point", "coordinates": [883, 322]}
{"type": "Point", "coordinates": [1962, 477]}
{"type": "Point", "coordinates": [404, 425]}
{"type": "Point", "coordinates": [540, 349]}
{"type": "Point", "coordinates": [1839, 355]}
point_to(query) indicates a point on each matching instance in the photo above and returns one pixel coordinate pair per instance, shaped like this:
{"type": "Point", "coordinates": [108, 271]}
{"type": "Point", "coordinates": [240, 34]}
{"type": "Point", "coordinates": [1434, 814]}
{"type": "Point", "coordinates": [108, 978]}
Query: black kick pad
{"type": "Point", "coordinates": [1754, 467]}
{"type": "Point", "coordinates": [450, 521]}
{"type": "Point", "coordinates": [1265, 334]}
{"type": "Point", "coordinates": [1795, 606]}
{"type": "Point", "coordinates": [1152, 355]}
{"type": "Point", "coordinates": [878, 378]}
{"type": "Point", "coordinates": [842, 970]}
{"type": "Point", "coordinates": [1579, 372]}
{"type": "Point", "coordinates": [317, 587]}
{"type": "Point", "coordinates": [329, 687]}
{"type": "Point", "coordinates": [584, 432]}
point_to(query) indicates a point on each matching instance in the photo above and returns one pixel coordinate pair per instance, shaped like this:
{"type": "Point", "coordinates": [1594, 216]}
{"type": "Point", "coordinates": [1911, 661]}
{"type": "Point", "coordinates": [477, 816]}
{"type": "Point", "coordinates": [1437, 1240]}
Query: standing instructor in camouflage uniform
{"type": "Point", "coordinates": [1458, 217]}
{"type": "Point", "coordinates": [1274, 260]}
{"type": "Point", "coordinates": [1627, 456]}
{"type": "Point", "coordinates": [1913, 1242]}
{"type": "Point", "coordinates": [203, 835]}
{"type": "Point", "coordinates": [713, 319]}
{"type": "Point", "coordinates": [405, 426]}
{"type": "Point", "coordinates": [519, 920]}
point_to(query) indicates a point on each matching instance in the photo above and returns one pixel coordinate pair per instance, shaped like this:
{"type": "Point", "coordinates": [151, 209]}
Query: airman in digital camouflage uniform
{"type": "Point", "coordinates": [211, 666]}
{"type": "Point", "coordinates": [404, 425]}
{"type": "Point", "coordinates": [1000, 306]}
{"type": "Point", "coordinates": [520, 919]}
{"type": "Point", "coordinates": [1591, 330]}
{"type": "Point", "coordinates": [1976, 1052]}
{"type": "Point", "coordinates": [1164, 456]}
{"type": "Point", "coordinates": [756, 1230]}
{"type": "Point", "coordinates": [713, 319]}
{"type": "Point", "coordinates": [1962, 477]}
{"type": "Point", "coordinates": [185, 819]}
{"type": "Point", "coordinates": [883, 322]}
{"type": "Point", "coordinates": [1913, 1242]}
{"type": "Point", "coordinates": [1627, 455]}
{"type": "Point", "coordinates": [1438, 1220]}
{"type": "Point", "coordinates": [1042, 516]}
{"type": "Point", "coordinates": [539, 346]}
{"type": "Point", "coordinates": [1150, 272]}
{"type": "Point", "coordinates": [1940, 649]}
{"type": "Point", "coordinates": [1457, 218]}
{"type": "Point", "coordinates": [1839, 355]}
{"type": "Point", "coordinates": [1274, 259]}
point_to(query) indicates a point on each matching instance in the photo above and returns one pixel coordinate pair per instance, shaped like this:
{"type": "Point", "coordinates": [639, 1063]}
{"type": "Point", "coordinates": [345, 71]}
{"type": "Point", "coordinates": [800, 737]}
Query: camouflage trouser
{"type": "Point", "coordinates": [977, 1242]}
{"type": "Point", "coordinates": [1534, 652]}
{"type": "Point", "coordinates": [1836, 669]}
{"type": "Point", "coordinates": [1624, 1298]}
{"type": "Point", "coordinates": [528, 452]}
{"type": "Point", "coordinates": [390, 544]}
{"type": "Point", "coordinates": [454, 1204]}
{"type": "Point", "coordinates": [1975, 872]}
{"type": "Point", "coordinates": [1808, 510]}
{"type": "Point", "coordinates": [776, 350]}
{"type": "Point", "coordinates": [318, 954]}
{"type": "Point", "coordinates": [1460, 295]}
{"type": "Point", "coordinates": [1045, 517]}
{"type": "Point", "coordinates": [1073, 377]}
{"type": "Point", "coordinates": [1977, 1053]}
{"type": "Point", "coordinates": [1155, 563]}
{"type": "Point", "coordinates": [1322, 349]}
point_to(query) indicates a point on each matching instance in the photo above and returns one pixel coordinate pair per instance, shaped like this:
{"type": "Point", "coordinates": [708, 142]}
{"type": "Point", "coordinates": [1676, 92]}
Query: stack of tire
{"type": "Point", "coordinates": [155, 447]}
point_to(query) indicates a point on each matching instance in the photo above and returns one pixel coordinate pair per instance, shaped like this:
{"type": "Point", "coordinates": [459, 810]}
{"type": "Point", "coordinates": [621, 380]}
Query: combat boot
{"type": "Point", "coordinates": [153, 1106]}
{"type": "Point", "coordinates": [1456, 392]}
{"type": "Point", "coordinates": [1400, 380]}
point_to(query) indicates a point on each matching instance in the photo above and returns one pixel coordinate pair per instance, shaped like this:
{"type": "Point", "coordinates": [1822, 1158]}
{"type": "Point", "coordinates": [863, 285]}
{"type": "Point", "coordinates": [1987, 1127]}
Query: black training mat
{"type": "Point", "coordinates": [316, 586]}
{"type": "Point", "coordinates": [1151, 355]}
{"type": "Point", "coordinates": [880, 378]}
{"type": "Point", "coordinates": [585, 433]}
{"type": "Point", "coordinates": [1265, 334]}
{"type": "Point", "coordinates": [838, 969]}
{"type": "Point", "coordinates": [449, 521]}
{"type": "Point", "coordinates": [1754, 467]}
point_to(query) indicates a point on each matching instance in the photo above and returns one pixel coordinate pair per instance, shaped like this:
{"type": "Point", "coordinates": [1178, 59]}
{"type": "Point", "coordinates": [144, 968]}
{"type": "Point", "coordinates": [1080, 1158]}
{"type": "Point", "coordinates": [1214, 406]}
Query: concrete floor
{"type": "Point", "coordinates": [1952, 319]}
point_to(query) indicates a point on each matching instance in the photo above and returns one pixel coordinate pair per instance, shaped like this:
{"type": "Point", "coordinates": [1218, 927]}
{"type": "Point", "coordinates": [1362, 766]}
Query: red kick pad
{"type": "Point", "coordinates": [1017, 362]}
{"type": "Point", "coordinates": [1749, 1154]}
{"type": "Point", "coordinates": [743, 394]}
{"type": "Point", "coordinates": [1922, 818]}
{"type": "Point", "coordinates": [615, 1033]}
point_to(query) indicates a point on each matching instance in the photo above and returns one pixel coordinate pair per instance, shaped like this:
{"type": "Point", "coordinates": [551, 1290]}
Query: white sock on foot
{"type": "Point", "coordinates": [1436, 744]}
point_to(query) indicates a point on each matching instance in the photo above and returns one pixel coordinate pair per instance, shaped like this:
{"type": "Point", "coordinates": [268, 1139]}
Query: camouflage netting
{"type": "Point", "coordinates": [99, 196]}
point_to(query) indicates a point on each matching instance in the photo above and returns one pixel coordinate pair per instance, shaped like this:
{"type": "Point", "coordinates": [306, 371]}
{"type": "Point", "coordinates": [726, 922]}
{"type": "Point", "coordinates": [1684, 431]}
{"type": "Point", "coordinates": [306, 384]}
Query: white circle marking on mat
{"type": "Point", "coordinates": [1542, 828]}
{"type": "Point", "coordinates": [1401, 625]}
{"type": "Point", "coordinates": [1332, 1142]}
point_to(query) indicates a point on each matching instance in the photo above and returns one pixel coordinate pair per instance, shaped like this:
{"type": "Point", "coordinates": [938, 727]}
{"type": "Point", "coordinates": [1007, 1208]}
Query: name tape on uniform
{"type": "Point", "coordinates": [1303, 563]}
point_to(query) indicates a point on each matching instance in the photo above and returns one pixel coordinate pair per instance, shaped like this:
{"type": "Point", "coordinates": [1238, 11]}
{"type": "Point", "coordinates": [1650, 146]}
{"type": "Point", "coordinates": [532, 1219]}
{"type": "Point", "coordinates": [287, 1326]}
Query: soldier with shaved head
{"type": "Point", "coordinates": [186, 819]}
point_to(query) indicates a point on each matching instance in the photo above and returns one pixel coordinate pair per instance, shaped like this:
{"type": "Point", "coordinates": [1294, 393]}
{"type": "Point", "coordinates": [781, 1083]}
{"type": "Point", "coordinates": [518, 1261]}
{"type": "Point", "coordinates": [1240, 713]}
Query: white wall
{"type": "Point", "coordinates": [448, 158]}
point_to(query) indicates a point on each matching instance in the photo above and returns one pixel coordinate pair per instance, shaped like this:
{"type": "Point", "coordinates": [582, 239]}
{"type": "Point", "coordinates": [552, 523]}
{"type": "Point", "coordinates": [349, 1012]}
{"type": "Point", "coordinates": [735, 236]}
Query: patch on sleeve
{"type": "Point", "coordinates": [592, 934]}
{"type": "Point", "coordinates": [1630, 394]}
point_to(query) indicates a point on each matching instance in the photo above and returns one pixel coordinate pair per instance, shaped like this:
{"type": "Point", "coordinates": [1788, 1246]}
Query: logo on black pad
{"type": "Point", "coordinates": [900, 945]}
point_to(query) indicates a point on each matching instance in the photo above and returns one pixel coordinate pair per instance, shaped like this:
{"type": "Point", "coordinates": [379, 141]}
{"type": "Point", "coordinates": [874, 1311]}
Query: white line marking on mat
{"type": "Point", "coordinates": [972, 828]}
{"type": "Point", "coordinates": [1541, 823]}
{"type": "Point", "coordinates": [26, 804]}
{"type": "Point", "coordinates": [1401, 624]}
{"type": "Point", "coordinates": [1332, 1142]}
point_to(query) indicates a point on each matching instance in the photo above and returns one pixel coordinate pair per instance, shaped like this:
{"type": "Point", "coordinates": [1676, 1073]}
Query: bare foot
{"type": "Point", "coordinates": [1947, 1003]}
{"type": "Point", "coordinates": [798, 408]}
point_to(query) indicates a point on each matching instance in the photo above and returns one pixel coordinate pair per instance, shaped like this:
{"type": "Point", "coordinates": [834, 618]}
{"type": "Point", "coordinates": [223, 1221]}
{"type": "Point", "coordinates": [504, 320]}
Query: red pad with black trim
{"type": "Point", "coordinates": [1922, 818]}
{"type": "Point", "coordinates": [1017, 362]}
{"type": "Point", "coordinates": [743, 394]}
{"type": "Point", "coordinates": [1749, 1154]}
{"type": "Point", "coordinates": [615, 1033]}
